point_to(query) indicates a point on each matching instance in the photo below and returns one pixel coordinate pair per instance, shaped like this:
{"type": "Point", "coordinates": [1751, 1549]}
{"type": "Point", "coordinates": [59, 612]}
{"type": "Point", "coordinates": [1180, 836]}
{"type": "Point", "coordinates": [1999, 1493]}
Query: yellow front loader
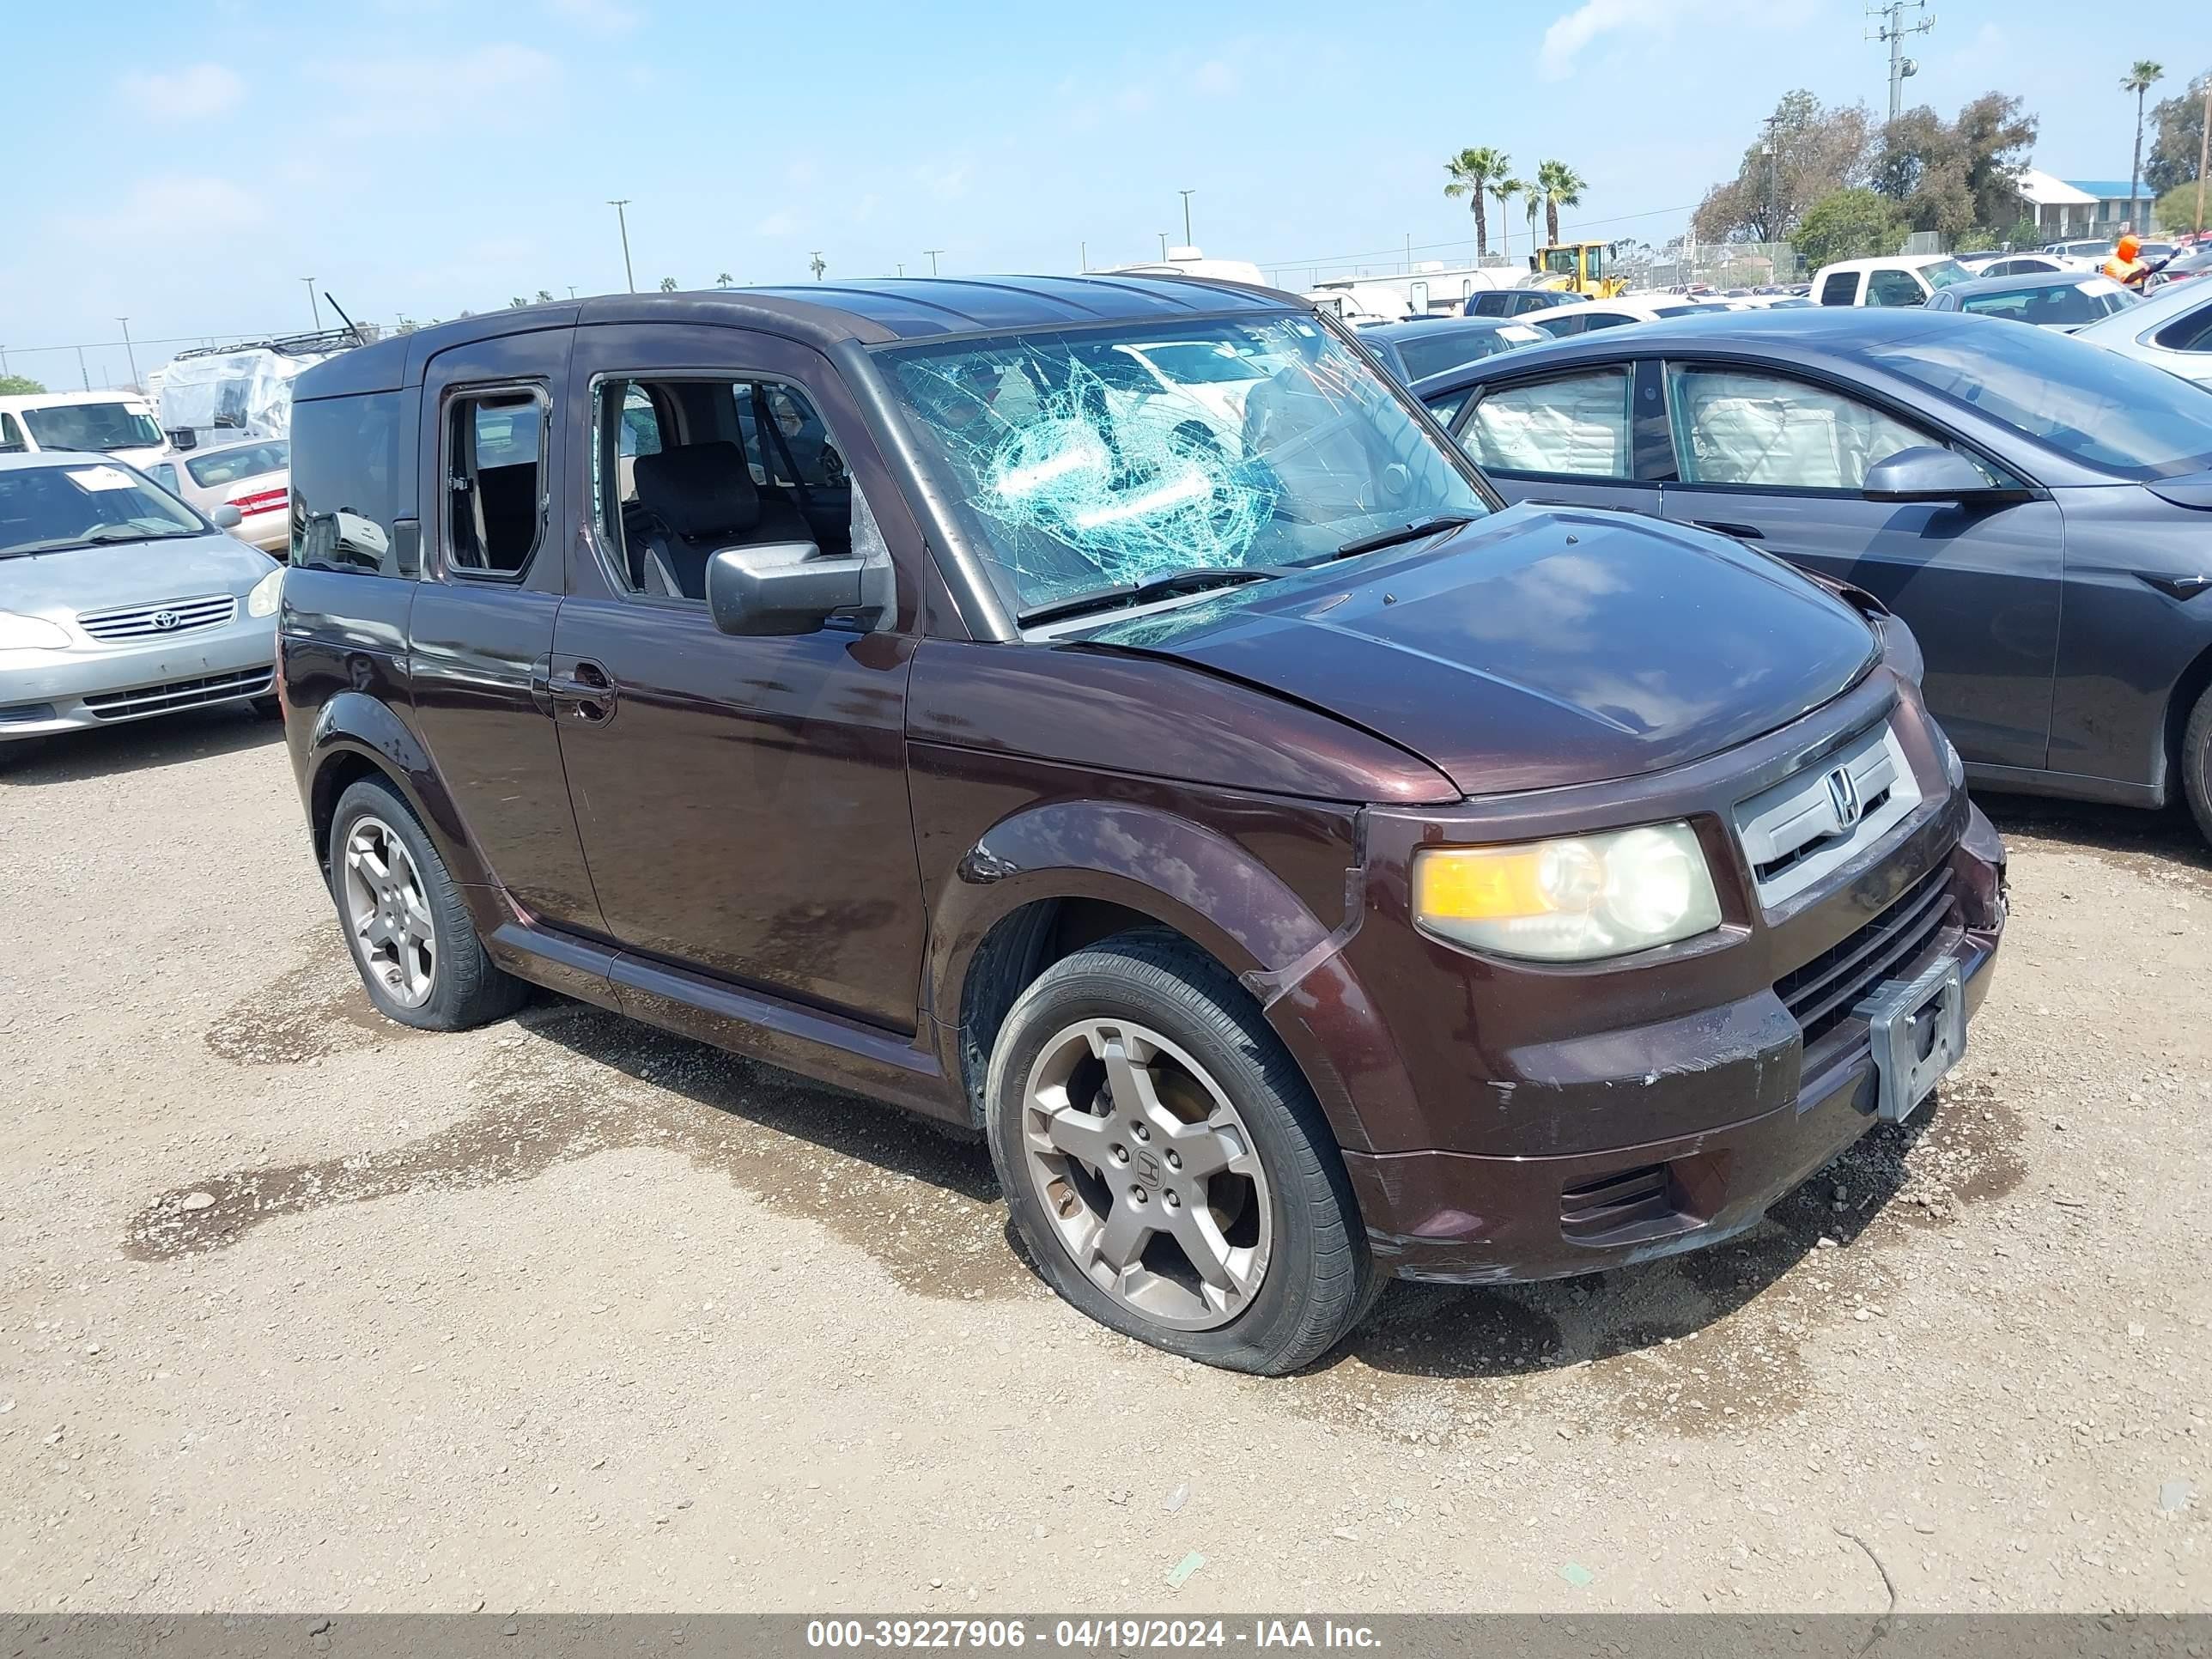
{"type": "Point", "coordinates": [1574, 268]}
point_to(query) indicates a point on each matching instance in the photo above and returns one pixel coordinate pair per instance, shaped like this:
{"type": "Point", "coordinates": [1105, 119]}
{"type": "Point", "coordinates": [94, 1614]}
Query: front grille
{"type": "Point", "coordinates": [1598, 1208]}
{"type": "Point", "coordinates": [149, 622]}
{"type": "Point", "coordinates": [1822, 993]}
{"type": "Point", "coordinates": [1796, 832]}
{"type": "Point", "coordinates": [180, 694]}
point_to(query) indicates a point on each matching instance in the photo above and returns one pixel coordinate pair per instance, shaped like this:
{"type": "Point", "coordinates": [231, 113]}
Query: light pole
{"type": "Point", "coordinates": [1163, 244]}
{"type": "Point", "coordinates": [313, 310]}
{"type": "Point", "coordinates": [1186, 196]}
{"type": "Point", "coordinates": [932, 252]}
{"type": "Point", "coordinates": [83, 373]}
{"type": "Point", "coordinates": [571, 290]}
{"type": "Point", "coordinates": [622, 219]}
{"type": "Point", "coordinates": [130, 355]}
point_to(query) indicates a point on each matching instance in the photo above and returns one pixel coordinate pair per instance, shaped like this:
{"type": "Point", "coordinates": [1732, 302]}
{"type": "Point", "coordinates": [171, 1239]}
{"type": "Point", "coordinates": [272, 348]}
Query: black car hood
{"type": "Point", "coordinates": [1538, 647]}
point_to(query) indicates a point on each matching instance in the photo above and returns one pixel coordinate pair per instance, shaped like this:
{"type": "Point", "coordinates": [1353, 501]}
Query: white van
{"type": "Point", "coordinates": [118, 423]}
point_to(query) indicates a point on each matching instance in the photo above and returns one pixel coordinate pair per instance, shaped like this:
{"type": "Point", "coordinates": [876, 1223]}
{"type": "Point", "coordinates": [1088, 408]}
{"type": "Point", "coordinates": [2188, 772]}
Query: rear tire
{"type": "Point", "coordinates": [2196, 763]}
{"type": "Point", "coordinates": [1144, 1029]}
{"type": "Point", "coordinates": [404, 922]}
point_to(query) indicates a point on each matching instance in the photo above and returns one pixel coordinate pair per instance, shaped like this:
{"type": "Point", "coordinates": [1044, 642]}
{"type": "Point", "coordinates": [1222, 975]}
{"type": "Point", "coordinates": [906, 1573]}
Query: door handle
{"type": "Point", "coordinates": [586, 691]}
{"type": "Point", "coordinates": [1750, 533]}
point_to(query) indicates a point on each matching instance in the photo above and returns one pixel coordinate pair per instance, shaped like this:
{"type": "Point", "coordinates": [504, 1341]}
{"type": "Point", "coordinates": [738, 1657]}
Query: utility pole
{"type": "Point", "coordinates": [83, 373]}
{"type": "Point", "coordinates": [932, 252]}
{"type": "Point", "coordinates": [130, 355]}
{"type": "Point", "coordinates": [623, 220]}
{"type": "Point", "coordinates": [1893, 30]}
{"type": "Point", "coordinates": [1083, 253]}
{"type": "Point", "coordinates": [1186, 196]}
{"type": "Point", "coordinates": [313, 310]}
{"type": "Point", "coordinates": [2204, 145]}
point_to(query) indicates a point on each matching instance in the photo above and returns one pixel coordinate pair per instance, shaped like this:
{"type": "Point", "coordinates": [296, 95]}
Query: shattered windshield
{"type": "Point", "coordinates": [1092, 457]}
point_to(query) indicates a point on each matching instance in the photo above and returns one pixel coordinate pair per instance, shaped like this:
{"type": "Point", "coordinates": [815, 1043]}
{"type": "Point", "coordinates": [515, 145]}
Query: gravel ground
{"type": "Point", "coordinates": [299, 1310]}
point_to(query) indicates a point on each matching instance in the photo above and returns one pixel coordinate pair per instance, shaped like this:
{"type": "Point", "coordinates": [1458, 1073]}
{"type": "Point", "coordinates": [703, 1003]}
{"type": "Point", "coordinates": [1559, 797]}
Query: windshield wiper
{"type": "Point", "coordinates": [1404, 532]}
{"type": "Point", "coordinates": [1190, 580]}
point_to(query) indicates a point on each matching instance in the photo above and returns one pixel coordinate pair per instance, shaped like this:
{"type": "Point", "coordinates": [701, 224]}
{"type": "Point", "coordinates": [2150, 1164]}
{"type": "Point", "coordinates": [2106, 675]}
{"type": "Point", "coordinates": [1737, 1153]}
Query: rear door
{"type": "Point", "coordinates": [482, 622]}
{"type": "Point", "coordinates": [1778, 461]}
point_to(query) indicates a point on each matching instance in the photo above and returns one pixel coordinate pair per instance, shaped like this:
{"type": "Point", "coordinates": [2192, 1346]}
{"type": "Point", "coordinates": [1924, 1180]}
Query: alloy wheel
{"type": "Point", "coordinates": [388, 908]}
{"type": "Point", "coordinates": [1147, 1173]}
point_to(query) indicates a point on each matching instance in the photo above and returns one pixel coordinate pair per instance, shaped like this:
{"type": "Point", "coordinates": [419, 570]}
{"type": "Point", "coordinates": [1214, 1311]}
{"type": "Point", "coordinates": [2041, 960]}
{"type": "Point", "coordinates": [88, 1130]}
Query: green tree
{"type": "Point", "coordinates": [2142, 75]}
{"type": "Point", "coordinates": [1560, 185]}
{"type": "Point", "coordinates": [1470, 172]}
{"type": "Point", "coordinates": [545, 295]}
{"type": "Point", "coordinates": [1952, 176]}
{"type": "Point", "coordinates": [1804, 151]}
{"type": "Point", "coordinates": [19, 385]}
{"type": "Point", "coordinates": [2178, 209]}
{"type": "Point", "coordinates": [1849, 224]}
{"type": "Point", "coordinates": [724, 280]}
{"type": "Point", "coordinates": [2178, 126]}
{"type": "Point", "coordinates": [516, 303]}
{"type": "Point", "coordinates": [668, 285]}
{"type": "Point", "coordinates": [1505, 189]}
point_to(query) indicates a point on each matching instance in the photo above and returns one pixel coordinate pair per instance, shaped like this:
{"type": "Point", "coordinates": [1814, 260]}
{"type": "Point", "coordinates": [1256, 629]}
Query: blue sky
{"type": "Point", "coordinates": [186, 164]}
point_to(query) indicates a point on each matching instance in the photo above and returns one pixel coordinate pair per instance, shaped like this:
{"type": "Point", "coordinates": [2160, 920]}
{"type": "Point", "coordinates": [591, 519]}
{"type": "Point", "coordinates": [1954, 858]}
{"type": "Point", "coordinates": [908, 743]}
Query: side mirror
{"type": "Point", "coordinates": [788, 587]}
{"type": "Point", "coordinates": [227, 517]}
{"type": "Point", "coordinates": [1926, 473]}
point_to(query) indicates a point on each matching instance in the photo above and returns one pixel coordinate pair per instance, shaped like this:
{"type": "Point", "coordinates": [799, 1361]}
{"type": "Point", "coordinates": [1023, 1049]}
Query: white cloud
{"type": "Point", "coordinates": [1593, 19]}
{"type": "Point", "coordinates": [195, 90]}
{"type": "Point", "coordinates": [946, 181]}
{"type": "Point", "coordinates": [168, 211]}
{"type": "Point", "coordinates": [778, 223]}
{"type": "Point", "coordinates": [1219, 79]}
{"type": "Point", "coordinates": [420, 94]}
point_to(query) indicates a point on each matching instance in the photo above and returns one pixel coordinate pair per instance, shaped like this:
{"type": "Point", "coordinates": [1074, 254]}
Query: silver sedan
{"type": "Point", "coordinates": [118, 602]}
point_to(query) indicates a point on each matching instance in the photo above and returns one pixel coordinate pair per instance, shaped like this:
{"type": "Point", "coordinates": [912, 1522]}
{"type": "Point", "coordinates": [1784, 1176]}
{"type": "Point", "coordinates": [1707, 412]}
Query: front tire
{"type": "Point", "coordinates": [1166, 1163]}
{"type": "Point", "coordinates": [2196, 763]}
{"type": "Point", "coordinates": [410, 933]}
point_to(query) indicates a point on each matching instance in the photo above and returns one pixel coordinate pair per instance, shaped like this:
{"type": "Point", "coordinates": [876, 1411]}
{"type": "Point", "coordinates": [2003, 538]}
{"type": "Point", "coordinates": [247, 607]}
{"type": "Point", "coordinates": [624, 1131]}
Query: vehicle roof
{"type": "Point", "coordinates": [2028, 279]}
{"type": "Point", "coordinates": [57, 399]}
{"type": "Point", "coordinates": [875, 311]}
{"type": "Point", "coordinates": [1415, 328]}
{"type": "Point", "coordinates": [2156, 310]}
{"type": "Point", "coordinates": [1895, 261]}
{"type": "Point", "coordinates": [1830, 332]}
{"type": "Point", "coordinates": [24, 460]}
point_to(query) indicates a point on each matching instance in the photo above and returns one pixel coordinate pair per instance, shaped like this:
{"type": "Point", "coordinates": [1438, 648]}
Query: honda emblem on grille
{"type": "Point", "coordinates": [166, 620]}
{"type": "Point", "coordinates": [1843, 796]}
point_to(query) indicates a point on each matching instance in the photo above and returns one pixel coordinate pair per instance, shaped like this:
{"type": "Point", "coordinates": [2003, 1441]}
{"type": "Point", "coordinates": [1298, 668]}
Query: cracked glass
{"type": "Point", "coordinates": [1090, 458]}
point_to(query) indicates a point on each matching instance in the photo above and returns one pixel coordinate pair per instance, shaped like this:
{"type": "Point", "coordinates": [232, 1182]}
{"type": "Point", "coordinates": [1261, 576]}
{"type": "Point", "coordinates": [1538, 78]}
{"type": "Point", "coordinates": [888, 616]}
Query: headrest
{"type": "Point", "coordinates": [700, 490]}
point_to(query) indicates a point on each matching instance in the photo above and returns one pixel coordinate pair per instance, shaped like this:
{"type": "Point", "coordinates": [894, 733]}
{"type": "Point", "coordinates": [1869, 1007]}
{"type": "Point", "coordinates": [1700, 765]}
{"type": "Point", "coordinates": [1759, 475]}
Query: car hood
{"type": "Point", "coordinates": [61, 584]}
{"type": "Point", "coordinates": [1538, 648]}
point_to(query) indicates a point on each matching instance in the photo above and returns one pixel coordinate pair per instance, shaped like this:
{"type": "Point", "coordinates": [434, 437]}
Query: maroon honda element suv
{"type": "Point", "coordinates": [1109, 713]}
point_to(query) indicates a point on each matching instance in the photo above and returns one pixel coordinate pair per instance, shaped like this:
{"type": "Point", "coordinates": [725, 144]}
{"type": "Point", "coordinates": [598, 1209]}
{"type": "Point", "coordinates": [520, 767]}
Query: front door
{"type": "Point", "coordinates": [743, 801]}
{"type": "Point", "coordinates": [1779, 462]}
{"type": "Point", "coordinates": [482, 627]}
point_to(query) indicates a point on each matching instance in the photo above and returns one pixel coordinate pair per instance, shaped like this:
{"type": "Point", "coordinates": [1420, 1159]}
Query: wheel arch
{"type": "Point", "coordinates": [356, 736]}
{"type": "Point", "coordinates": [2188, 688]}
{"type": "Point", "coordinates": [1050, 881]}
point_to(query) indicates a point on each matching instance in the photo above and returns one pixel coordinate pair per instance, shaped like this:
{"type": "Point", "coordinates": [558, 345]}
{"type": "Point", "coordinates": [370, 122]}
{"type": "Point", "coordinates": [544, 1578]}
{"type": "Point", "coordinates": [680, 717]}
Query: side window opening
{"type": "Point", "coordinates": [1575, 425]}
{"type": "Point", "coordinates": [1841, 288]}
{"type": "Point", "coordinates": [702, 464]}
{"type": "Point", "coordinates": [495, 482]}
{"type": "Point", "coordinates": [1739, 426]}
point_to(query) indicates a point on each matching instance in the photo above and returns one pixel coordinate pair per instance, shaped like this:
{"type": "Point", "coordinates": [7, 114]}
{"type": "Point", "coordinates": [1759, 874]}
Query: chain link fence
{"type": "Point", "coordinates": [1717, 265]}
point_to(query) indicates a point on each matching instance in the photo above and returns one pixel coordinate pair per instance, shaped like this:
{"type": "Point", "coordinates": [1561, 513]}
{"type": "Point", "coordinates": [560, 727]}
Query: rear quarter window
{"type": "Point", "coordinates": [352, 479]}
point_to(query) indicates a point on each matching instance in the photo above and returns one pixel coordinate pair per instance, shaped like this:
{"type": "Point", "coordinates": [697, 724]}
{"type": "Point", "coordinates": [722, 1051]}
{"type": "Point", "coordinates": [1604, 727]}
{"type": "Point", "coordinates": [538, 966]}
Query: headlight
{"type": "Point", "coordinates": [1954, 765]}
{"type": "Point", "coordinates": [30, 633]}
{"type": "Point", "coordinates": [1571, 900]}
{"type": "Point", "coordinates": [1899, 649]}
{"type": "Point", "coordinates": [262, 601]}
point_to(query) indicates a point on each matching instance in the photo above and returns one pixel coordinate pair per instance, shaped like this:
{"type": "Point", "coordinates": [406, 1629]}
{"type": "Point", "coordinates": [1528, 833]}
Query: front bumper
{"type": "Point", "coordinates": [1465, 1218]}
{"type": "Point", "coordinates": [47, 692]}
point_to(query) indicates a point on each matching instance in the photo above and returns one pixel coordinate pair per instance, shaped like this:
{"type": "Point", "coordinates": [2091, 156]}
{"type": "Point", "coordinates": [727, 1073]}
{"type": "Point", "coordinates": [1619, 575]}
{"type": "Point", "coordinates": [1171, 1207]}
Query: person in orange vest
{"type": "Point", "coordinates": [2124, 266]}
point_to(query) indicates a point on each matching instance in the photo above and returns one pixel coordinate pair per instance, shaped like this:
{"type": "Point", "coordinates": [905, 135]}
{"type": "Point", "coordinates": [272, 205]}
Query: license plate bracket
{"type": "Point", "coordinates": [1918, 1030]}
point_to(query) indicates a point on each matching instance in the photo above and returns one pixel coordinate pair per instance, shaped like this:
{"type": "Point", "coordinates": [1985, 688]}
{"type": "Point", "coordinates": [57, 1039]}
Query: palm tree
{"type": "Point", "coordinates": [545, 295]}
{"type": "Point", "coordinates": [1505, 189]}
{"type": "Point", "coordinates": [517, 302]}
{"type": "Point", "coordinates": [668, 285]}
{"type": "Point", "coordinates": [818, 266]}
{"type": "Point", "coordinates": [2139, 80]}
{"type": "Point", "coordinates": [1562, 187]}
{"type": "Point", "coordinates": [1471, 171]}
{"type": "Point", "coordinates": [724, 280]}
{"type": "Point", "coordinates": [1535, 206]}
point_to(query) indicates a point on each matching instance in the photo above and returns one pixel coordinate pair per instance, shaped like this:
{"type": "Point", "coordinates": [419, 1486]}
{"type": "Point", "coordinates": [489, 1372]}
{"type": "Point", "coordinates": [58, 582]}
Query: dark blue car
{"type": "Point", "coordinates": [1432, 346]}
{"type": "Point", "coordinates": [2038, 509]}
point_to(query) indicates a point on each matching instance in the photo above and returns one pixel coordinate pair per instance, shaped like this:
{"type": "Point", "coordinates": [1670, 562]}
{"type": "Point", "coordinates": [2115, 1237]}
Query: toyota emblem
{"type": "Point", "coordinates": [1843, 797]}
{"type": "Point", "coordinates": [166, 620]}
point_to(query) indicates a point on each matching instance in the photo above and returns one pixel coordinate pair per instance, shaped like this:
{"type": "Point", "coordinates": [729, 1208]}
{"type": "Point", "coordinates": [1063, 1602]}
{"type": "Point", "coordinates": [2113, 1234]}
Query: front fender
{"type": "Point", "coordinates": [1216, 893]}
